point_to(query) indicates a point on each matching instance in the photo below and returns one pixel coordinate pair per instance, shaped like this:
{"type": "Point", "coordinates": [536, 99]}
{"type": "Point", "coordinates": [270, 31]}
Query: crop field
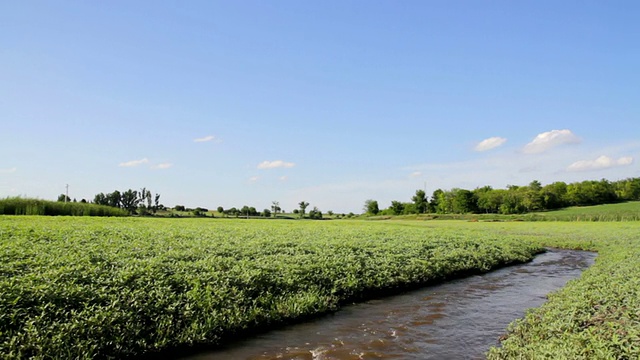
{"type": "Point", "coordinates": [113, 287]}
{"type": "Point", "coordinates": [77, 287]}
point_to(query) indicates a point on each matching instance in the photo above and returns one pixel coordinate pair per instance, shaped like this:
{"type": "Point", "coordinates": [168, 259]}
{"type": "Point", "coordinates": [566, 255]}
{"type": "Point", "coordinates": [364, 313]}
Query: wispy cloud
{"type": "Point", "coordinates": [8, 171]}
{"type": "Point", "coordinates": [254, 179]}
{"type": "Point", "coordinates": [490, 143]}
{"type": "Point", "coordinates": [133, 163]}
{"type": "Point", "coordinates": [162, 166]}
{"type": "Point", "coordinates": [283, 178]}
{"type": "Point", "coordinates": [205, 139]}
{"type": "Point", "coordinates": [550, 139]}
{"type": "Point", "coordinates": [602, 162]}
{"type": "Point", "coordinates": [415, 174]}
{"type": "Point", "coordinates": [275, 164]}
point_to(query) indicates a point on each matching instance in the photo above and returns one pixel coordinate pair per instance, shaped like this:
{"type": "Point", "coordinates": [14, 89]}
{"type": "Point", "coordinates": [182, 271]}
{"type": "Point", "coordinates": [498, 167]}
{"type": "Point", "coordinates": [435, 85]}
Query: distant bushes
{"type": "Point", "coordinates": [26, 206]}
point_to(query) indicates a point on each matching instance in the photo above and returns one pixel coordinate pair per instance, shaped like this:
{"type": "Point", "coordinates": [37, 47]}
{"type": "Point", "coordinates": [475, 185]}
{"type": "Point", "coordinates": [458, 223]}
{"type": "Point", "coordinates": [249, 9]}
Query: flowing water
{"type": "Point", "coordinates": [460, 319]}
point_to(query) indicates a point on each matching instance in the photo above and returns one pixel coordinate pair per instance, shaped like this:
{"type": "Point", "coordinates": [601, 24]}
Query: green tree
{"type": "Point", "coordinates": [397, 207]}
{"type": "Point", "coordinates": [462, 201]}
{"type": "Point", "coordinates": [420, 201]}
{"type": "Point", "coordinates": [532, 198]}
{"type": "Point", "coordinates": [554, 196]}
{"type": "Point", "coordinates": [435, 197]}
{"type": "Point", "coordinates": [100, 199]}
{"type": "Point", "coordinates": [315, 214]}
{"type": "Point", "coordinates": [156, 203]}
{"type": "Point", "coordinates": [275, 208]}
{"type": "Point", "coordinates": [303, 208]}
{"type": "Point", "coordinates": [130, 200]}
{"type": "Point", "coordinates": [371, 207]}
{"type": "Point", "coordinates": [64, 198]}
{"type": "Point", "coordinates": [445, 202]}
{"type": "Point", "coordinates": [114, 199]}
{"type": "Point", "coordinates": [409, 208]}
{"type": "Point", "coordinates": [483, 199]}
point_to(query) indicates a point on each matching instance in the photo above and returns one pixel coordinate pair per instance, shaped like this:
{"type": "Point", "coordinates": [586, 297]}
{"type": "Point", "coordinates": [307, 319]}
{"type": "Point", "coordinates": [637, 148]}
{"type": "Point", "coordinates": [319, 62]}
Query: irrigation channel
{"type": "Point", "coordinates": [460, 319]}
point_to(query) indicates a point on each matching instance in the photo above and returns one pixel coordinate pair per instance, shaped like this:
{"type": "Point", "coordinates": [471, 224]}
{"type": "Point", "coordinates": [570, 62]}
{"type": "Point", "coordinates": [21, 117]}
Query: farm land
{"type": "Point", "coordinates": [80, 287]}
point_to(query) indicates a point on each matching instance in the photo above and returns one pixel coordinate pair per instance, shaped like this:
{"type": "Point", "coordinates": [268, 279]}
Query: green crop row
{"type": "Point", "coordinates": [116, 287]}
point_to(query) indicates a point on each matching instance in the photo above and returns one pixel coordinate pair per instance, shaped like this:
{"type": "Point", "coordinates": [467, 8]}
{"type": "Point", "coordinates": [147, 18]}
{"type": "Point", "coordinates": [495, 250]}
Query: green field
{"type": "Point", "coordinates": [111, 287]}
{"type": "Point", "coordinates": [625, 211]}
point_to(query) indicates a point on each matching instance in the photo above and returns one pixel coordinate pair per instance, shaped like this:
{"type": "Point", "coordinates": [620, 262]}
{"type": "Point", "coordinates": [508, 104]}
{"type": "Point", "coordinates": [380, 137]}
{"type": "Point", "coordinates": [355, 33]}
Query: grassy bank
{"type": "Point", "coordinates": [594, 317]}
{"type": "Point", "coordinates": [105, 287]}
{"type": "Point", "coordinates": [27, 206]}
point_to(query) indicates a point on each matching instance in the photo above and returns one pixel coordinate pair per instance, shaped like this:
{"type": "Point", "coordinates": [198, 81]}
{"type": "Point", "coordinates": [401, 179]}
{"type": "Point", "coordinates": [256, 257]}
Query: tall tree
{"type": "Point", "coordinates": [143, 196]}
{"type": "Point", "coordinates": [156, 203]}
{"type": "Point", "coordinates": [114, 199]}
{"type": "Point", "coordinates": [303, 208]}
{"type": "Point", "coordinates": [130, 200]}
{"type": "Point", "coordinates": [397, 207]}
{"type": "Point", "coordinates": [420, 201]}
{"type": "Point", "coordinates": [462, 201]}
{"type": "Point", "coordinates": [371, 207]}
{"type": "Point", "coordinates": [275, 208]}
{"type": "Point", "coordinates": [149, 200]}
{"type": "Point", "coordinates": [100, 199]}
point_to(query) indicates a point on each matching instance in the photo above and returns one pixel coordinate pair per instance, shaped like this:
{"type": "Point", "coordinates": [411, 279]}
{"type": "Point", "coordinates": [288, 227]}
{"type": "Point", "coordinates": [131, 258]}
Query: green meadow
{"type": "Point", "coordinates": [79, 287]}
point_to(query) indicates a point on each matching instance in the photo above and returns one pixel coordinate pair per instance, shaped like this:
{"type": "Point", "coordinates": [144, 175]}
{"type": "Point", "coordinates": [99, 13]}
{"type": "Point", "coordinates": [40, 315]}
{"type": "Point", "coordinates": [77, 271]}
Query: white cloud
{"type": "Point", "coordinates": [8, 171]}
{"type": "Point", "coordinates": [162, 166]}
{"type": "Point", "coordinates": [550, 139]}
{"type": "Point", "coordinates": [602, 162]}
{"type": "Point", "coordinates": [205, 139]}
{"type": "Point", "coordinates": [275, 164]}
{"type": "Point", "coordinates": [133, 163]}
{"type": "Point", "coordinates": [283, 178]}
{"type": "Point", "coordinates": [416, 174]}
{"type": "Point", "coordinates": [490, 143]}
{"type": "Point", "coordinates": [254, 178]}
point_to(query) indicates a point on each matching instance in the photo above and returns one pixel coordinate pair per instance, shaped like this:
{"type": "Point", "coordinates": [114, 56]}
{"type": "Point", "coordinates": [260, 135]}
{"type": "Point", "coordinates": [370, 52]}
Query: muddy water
{"type": "Point", "coordinates": [457, 320]}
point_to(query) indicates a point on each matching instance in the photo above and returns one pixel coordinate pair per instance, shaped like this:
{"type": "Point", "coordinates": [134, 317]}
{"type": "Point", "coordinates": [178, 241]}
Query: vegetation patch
{"type": "Point", "coordinates": [594, 317]}
{"type": "Point", "coordinates": [27, 206]}
{"type": "Point", "coordinates": [109, 288]}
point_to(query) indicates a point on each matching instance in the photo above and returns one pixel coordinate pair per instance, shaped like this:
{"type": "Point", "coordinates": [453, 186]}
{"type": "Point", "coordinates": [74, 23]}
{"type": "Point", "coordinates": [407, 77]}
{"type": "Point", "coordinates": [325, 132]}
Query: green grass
{"type": "Point", "coordinates": [594, 317]}
{"type": "Point", "coordinates": [27, 206]}
{"type": "Point", "coordinates": [75, 287]}
{"type": "Point", "coordinates": [626, 211]}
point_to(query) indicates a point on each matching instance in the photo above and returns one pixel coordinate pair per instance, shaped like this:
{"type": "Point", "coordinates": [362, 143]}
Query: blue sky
{"type": "Point", "coordinates": [236, 103]}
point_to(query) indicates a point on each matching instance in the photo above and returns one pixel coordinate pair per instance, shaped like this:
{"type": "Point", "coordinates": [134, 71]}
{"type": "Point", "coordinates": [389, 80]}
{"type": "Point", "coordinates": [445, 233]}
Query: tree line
{"type": "Point", "coordinates": [314, 214]}
{"type": "Point", "coordinates": [514, 199]}
{"type": "Point", "coordinates": [141, 202]}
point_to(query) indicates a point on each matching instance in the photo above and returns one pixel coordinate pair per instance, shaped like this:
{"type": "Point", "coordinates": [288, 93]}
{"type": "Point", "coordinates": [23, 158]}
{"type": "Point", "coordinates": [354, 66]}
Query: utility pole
{"type": "Point", "coordinates": [67, 193]}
